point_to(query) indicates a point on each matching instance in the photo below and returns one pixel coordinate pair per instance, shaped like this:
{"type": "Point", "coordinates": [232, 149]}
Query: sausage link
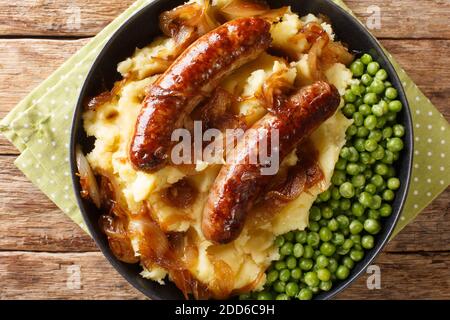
{"type": "Point", "coordinates": [192, 76]}
{"type": "Point", "coordinates": [240, 182]}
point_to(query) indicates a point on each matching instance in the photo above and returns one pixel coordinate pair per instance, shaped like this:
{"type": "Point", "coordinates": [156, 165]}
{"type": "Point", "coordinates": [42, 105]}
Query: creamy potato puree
{"type": "Point", "coordinates": [113, 122]}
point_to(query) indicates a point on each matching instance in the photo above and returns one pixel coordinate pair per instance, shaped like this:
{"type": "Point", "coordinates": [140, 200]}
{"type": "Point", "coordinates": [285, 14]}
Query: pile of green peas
{"type": "Point", "coordinates": [345, 218]}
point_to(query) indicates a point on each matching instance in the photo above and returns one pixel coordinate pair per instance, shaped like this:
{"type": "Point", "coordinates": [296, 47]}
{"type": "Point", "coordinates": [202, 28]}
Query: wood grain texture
{"type": "Point", "coordinates": [25, 63]}
{"type": "Point", "coordinates": [26, 275]}
{"type": "Point", "coordinates": [399, 19]}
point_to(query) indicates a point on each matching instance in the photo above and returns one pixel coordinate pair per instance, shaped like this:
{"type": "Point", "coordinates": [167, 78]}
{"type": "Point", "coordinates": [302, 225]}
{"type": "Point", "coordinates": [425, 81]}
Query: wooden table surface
{"type": "Point", "coordinates": [43, 253]}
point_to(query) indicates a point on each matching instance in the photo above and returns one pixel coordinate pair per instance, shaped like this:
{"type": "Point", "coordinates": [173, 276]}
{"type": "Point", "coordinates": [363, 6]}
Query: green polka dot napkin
{"type": "Point", "coordinates": [39, 127]}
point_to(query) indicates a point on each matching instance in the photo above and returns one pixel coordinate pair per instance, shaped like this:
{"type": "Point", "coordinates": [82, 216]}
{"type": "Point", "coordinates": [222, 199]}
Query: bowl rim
{"type": "Point", "coordinates": [361, 266]}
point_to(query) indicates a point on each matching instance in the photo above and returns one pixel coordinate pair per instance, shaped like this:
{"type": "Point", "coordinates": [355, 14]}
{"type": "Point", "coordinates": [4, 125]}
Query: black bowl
{"type": "Point", "coordinates": [139, 31]}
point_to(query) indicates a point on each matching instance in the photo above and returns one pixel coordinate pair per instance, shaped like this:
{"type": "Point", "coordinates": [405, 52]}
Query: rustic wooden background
{"type": "Point", "coordinates": [40, 248]}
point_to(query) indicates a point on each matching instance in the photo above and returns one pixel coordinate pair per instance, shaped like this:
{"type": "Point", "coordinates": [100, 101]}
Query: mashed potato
{"type": "Point", "coordinates": [112, 125]}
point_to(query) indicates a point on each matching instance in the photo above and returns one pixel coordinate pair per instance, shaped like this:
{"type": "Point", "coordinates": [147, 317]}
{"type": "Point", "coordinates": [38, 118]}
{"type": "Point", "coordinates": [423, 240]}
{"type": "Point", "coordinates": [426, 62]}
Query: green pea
{"type": "Point", "coordinates": [313, 239]}
{"type": "Point", "coordinates": [385, 210]}
{"type": "Point", "coordinates": [342, 272]}
{"type": "Point", "coordinates": [357, 68]}
{"type": "Point", "coordinates": [285, 274]}
{"type": "Point", "coordinates": [298, 250]}
{"type": "Point", "coordinates": [366, 58]}
{"type": "Point", "coordinates": [308, 251]}
{"type": "Point", "coordinates": [370, 122]}
{"type": "Point", "coordinates": [272, 276]}
{"type": "Point", "coordinates": [388, 195]}
{"type": "Point", "coordinates": [305, 294]}
{"type": "Point", "coordinates": [364, 109]}
{"type": "Point", "coordinates": [358, 118]}
{"type": "Point", "coordinates": [347, 190]}
{"type": "Point", "coordinates": [314, 226]}
{"type": "Point", "coordinates": [370, 145]}
{"type": "Point", "coordinates": [357, 90]}
{"type": "Point", "coordinates": [325, 196]}
{"type": "Point", "coordinates": [338, 177]}
{"type": "Point", "coordinates": [286, 249]}
{"type": "Point", "coordinates": [394, 144]}
{"type": "Point", "coordinates": [357, 209]}
{"type": "Point", "coordinates": [399, 130]}
{"type": "Point", "coordinates": [291, 262]}
{"type": "Point", "coordinates": [344, 205]}
{"type": "Point", "coordinates": [370, 98]}
{"type": "Point", "coordinates": [280, 265]}
{"type": "Point", "coordinates": [381, 74]}
{"type": "Point", "coordinates": [349, 96]}
{"type": "Point", "coordinates": [387, 132]}
{"type": "Point", "coordinates": [300, 236]}
{"type": "Point", "coordinates": [370, 188]}
{"type": "Point", "coordinates": [393, 183]}
{"type": "Point", "coordinates": [348, 262]}
{"type": "Point", "coordinates": [322, 261]}
{"type": "Point", "coordinates": [292, 289]}
{"type": "Point", "coordinates": [354, 154]}
{"type": "Point", "coordinates": [377, 180]}
{"type": "Point", "coordinates": [362, 133]}
{"type": "Point", "coordinates": [366, 79]}
{"type": "Point", "coordinates": [376, 135]}
{"type": "Point", "coordinates": [359, 100]}
{"type": "Point", "coordinates": [327, 249]}
{"type": "Point", "coordinates": [289, 236]}
{"type": "Point", "coordinates": [349, 109]}
{"type": "Point", "coordinates": [356, 255]}
{"type": "Point", "coordinates": [365, 199]}
{"type": "Point", "coordinates": [279, 286]}
{"type": "Point", "coordinates": [359, 143]}
{"type": "Point", "coordinates": [367, 242]}
{"type": "Point", "coordinates": [282, 296]}
{"type": "Point", "coordinates": [356, 227]}
{"type": "Point", "coordinates": [245, 296]}
{"type": "Point", "coordinates": [373, 67]}
{"type": "Point", "coordinates": [377, 110]}
{"type": "Point", "coordinates": [378, 153]}
{"type": "Point", "coordinates": [323, 274]}
{"type": "Point", "coordinates": [395, 106]}
{"type": "Point", "coordinates": [391, 93]}
{"type": "Point", "coordinates": [377, 86]}
{"type": "Point", "coordinates": [391, 116]}
{"type": "Point", "coordinates": [327, 213]}
{"type": "Point", "coordinates": [381, 122]}
{"type": "Point", "coordinates": [279, 241]}
{"type": "Point", "coordinates": [376, 202]}
{"type": "Point", "coordinates": [325, 285]}
{"type": "Point", "coordinates": [305, 264]}
{"type": "Point", "coordinates": [314, 213]}
{"type": "Point", "coordinates": [348, 244]}
{"type": "Point", "coordinates": [335, 193]}
{"type": "Point", "coordinates": [372, 226]}
{"type": "Point", "coordinates": [381, 169]}
{"type": "Point", "coordinates": [343, 221]}
{"type": "Point", "coordinates": [338, 239]}
{"type": "Point", "coordinates": [311, 279]}
{"type": "Point", "coordinates": [325, 234]}
{"type": "Point", "coordinates": [345, 153]}
{"type": "Point", "coordinates": [352, 169]}
{"type": "Point", "coordinates": [373, 214]}
{"type": "Point", "coordinates": [296, 273]}
{"type": "Point", "coordinates": [334, 205]}
{"type": "Point", "coordinates": [365, 157]}
{"type": "Point", "coordinates": [264, 295]}
{"type": "Point", "coordinates": [351, 131]}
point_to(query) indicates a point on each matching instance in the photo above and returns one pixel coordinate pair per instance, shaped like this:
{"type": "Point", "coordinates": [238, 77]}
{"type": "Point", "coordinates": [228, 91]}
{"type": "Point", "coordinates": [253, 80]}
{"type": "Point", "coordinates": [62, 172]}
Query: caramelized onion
{"type": "Point", "coordinates": [273, 89]}
{"type": "Point", "coordinates": [105, 96]}
{"type": "Point", "coordinates": [247, 8]}
{"type": "Point", "coordinates": [180, 195]}
{"type": "Point", "coordinates": [89, 187]}
{"type": "Point", "coordinates": [187, 22]}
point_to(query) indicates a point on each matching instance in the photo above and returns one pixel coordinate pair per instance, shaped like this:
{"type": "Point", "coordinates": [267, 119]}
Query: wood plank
{"type": "Point", "coordinates": [28, 275]}
{"type": "Point", "coordinates": [30, 221]}
{"type": "Point", "coordinates": [399, 19]}
{"type": "Point", "coordinates": [25, 63]}
{"type": "Point", "coordinates": [406, 276]}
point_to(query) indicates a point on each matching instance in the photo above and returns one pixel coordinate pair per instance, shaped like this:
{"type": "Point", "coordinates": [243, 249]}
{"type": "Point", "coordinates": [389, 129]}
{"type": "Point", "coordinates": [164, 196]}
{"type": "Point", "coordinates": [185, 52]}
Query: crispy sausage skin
{"type": "Point", "coordinates": [192, 76]}
{"type": "Point", "coordinates": [240, 182]}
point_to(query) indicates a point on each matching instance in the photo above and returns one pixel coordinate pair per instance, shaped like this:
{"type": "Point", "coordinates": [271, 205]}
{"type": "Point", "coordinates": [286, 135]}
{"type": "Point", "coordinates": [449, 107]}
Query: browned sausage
{"type": "Point", "coordinates": [240, 182]}
{"type": "Point", "coordinates": [194, 74]}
